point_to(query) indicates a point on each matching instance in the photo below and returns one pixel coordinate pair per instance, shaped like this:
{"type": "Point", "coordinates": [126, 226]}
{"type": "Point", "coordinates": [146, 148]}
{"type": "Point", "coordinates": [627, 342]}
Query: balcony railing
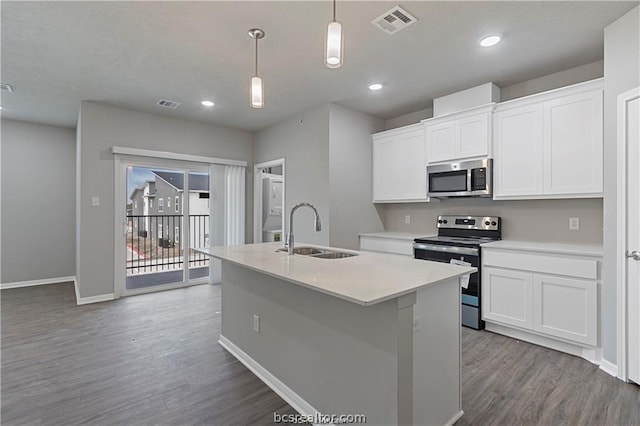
{"type": "Point", "coordinates": [155, 243]}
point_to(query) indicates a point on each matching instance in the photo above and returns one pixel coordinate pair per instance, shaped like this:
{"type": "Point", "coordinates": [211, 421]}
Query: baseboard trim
{"type": "Point", "coordinates": [285, 392]}
{"type": "Point", "coordinates": [609, 368]}
{"type": "Point", "coordinates": [94, 299]}
{"type": "Point", "coordinates": [593, 355]}
{"type": "Point", "coordinates": [455, 418]}
{"type": "Point", "coordinates": [32, 283]}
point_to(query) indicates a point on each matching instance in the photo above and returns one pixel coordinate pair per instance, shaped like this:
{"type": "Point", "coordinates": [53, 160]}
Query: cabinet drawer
{"type": "Point", "coordinates": [542, 263]}
{"type": "Point", "coordinates": [387, 245]}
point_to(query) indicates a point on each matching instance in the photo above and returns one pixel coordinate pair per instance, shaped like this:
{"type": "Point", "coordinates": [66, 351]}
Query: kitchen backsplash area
{"type": "Point", "coordinates": [526, 220]}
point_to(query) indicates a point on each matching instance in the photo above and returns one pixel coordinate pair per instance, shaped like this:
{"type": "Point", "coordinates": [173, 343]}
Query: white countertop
{"type": "Point", "coordinates": [395, 235]}
{"type": "Point", "coordinates": [366, 279]}
{"type": "Point", "coordinates": [560, 248]}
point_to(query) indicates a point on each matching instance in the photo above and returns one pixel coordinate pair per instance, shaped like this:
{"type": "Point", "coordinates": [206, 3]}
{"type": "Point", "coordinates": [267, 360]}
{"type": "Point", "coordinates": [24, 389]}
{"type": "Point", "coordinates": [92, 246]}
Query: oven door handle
{"type": "Point", "coordinates": [446, 249]}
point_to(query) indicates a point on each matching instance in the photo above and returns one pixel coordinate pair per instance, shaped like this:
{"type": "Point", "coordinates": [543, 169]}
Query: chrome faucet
{"type": "Point", "coordinates": [290, 235]}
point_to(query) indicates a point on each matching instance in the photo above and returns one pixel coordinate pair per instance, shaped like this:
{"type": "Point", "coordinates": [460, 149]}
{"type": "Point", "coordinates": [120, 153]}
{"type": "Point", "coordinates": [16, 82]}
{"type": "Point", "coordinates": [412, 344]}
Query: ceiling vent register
{"type": "Point", "coordinates": [168, 104]}
{"type": "Point", "coordinates": [394, 20]}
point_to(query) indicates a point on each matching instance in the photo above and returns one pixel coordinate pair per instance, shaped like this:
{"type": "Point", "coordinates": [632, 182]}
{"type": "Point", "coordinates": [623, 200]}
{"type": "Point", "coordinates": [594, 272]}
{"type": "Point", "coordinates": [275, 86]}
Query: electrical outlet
{"type": "Point", "coordinates": [407, 219]}
{"type": "Point", "coordinates": [95, 201]}
{"type": "Point", "coordinates": [574, 223]}
{"type": "Point", "coordinates": [417, 324]}
{"type": "Point", "coordinates": [256, 323]}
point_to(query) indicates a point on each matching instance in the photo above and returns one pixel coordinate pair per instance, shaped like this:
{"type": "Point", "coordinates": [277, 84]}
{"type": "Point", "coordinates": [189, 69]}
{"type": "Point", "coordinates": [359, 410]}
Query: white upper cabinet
{"type": "Point", "coordinates": [399, 165]}
{"type": "Point", "coordinates": [459, 136]}
{"type": "Point", "coordinates": [518, 151]}
{"type": "Point", "coordinates": [573, 144]}
{"type": "Point", "coordinates": [550, 145]}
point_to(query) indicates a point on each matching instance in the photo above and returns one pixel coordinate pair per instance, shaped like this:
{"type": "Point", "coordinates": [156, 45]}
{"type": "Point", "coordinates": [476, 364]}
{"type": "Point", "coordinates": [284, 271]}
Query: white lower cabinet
{"type": "Point", "coordinates": [566, 308]}
{"type": "Point", "coordinates": [551, 295]}
{"type": "Point", "coordinates": [507, 296]}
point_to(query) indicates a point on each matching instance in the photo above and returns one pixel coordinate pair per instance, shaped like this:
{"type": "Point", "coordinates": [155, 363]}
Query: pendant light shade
{"type": "Point", "coordinates": [257, 92]}
{"type": "Point", "coordinates": [256, 95]}
{"type": "Point", "coordinates": [333, 53]}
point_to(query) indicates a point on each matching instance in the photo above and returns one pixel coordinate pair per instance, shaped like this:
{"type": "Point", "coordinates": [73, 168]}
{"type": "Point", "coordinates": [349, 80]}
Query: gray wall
{"type": "Point", "coordinates": [350, 180]}
{"type": "Point", "coordinates": [328, 160]}
{"type": "Point", "coordinates": [527, 220]}
{"type": "Point", "coordinates": [101, 127]}
{"type": "Point", "coordinates": [303, 140]}
{"type": "Point", "coordinates": [621, 73]}
{"type": "Point", "coordinates": [563, 78]}
{"type": "Point", "coordinates": [38, 215]}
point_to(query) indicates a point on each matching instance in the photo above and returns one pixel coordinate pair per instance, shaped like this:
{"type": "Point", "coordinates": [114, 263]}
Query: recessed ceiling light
{"type": "Point", "coordinates": [375, 86]}
{"type": "Point", "coordinates": [489, 41]}
{"type": "Point", "coordinates": [207, 103]}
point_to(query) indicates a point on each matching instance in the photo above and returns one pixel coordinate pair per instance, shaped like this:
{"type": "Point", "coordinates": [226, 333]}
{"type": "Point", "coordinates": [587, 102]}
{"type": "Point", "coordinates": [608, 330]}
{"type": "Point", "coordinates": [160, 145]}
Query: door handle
{"type": "Point", "coordinates": [635, 255]}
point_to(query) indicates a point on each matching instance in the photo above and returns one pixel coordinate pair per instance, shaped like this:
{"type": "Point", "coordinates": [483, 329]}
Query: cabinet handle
{"type": "Point", "coordinates": [635, 255]}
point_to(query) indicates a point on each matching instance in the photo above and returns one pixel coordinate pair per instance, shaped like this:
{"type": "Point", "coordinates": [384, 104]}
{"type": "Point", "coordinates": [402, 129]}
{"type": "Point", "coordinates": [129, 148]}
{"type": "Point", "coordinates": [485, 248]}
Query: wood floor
{"type": "Point", "coordinates": [153, 359]}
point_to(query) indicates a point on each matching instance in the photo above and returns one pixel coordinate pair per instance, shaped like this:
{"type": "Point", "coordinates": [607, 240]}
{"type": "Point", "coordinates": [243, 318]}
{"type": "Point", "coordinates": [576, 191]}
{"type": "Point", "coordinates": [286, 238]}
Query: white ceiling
{"type": "Point", "coordinates": [131, 54]}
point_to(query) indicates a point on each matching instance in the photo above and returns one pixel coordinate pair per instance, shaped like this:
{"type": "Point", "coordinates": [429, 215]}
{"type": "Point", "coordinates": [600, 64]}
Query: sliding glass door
{"type": "Point", "coordinates": [166, 214]}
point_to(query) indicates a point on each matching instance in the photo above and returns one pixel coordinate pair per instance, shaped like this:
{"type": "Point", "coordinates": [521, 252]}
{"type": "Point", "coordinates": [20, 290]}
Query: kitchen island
{"type": "Point", "coordinates": [373, 334]}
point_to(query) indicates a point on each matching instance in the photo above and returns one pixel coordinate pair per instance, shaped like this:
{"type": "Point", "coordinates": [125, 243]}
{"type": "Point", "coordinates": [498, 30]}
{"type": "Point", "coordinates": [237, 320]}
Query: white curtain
{"type": "Point", "coordinates": [234, 188]}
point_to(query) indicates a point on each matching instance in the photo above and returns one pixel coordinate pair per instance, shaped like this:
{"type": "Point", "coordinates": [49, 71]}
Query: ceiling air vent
{"type": "Point", "coordinates": [6, 87]}
{"type": "Point", "coordinates": [168, 104]}
{"type": "Point", "coordinates": [394, 20]}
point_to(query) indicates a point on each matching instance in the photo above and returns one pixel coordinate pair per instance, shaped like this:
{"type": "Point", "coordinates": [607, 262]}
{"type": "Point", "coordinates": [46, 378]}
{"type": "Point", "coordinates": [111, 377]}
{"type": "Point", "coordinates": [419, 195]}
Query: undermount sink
{"type": "Point", "coordinates": [319, 253]}
{"type": "Point", "coordinates": [334, 255]}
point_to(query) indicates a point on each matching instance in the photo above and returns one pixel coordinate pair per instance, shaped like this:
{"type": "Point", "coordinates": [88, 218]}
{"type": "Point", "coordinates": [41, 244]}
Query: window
{"type": "Point", "coordinates": [176, 235]}
{"type": "Point", "coordinates": [168, 202]}
{"type": "Point", "coordinates": [177, 204]}
{"type": "Point", "coordinates": [160, 205]}
{"type": "Point", "coordinates": [135, 204]}
{"type": "Point", "coordinates": [150, 203]}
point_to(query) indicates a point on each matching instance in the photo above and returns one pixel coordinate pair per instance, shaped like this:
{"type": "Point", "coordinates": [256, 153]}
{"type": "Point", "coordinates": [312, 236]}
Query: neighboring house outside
{"type": "Point", "coordinates": [161, 204]}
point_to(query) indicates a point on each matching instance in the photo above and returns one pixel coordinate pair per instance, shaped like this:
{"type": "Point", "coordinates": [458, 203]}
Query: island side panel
{"type": "Point", "coordinates": [340, 357]}
{"type": "Point", "coordinates": [437, 354]}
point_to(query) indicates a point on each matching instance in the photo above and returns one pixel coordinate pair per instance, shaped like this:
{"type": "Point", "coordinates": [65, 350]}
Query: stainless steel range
{"type": "Point", "coordinates": [459, 241]}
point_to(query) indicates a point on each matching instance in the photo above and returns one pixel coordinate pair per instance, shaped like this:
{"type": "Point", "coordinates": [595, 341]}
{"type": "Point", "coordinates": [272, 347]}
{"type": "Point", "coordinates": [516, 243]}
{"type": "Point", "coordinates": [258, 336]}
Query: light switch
{"type": "Point", "coordinates": [95, 201]}
{"type": "Point", "coordinates": [407, 219]}
{"type": "Point", "coordinates": [574, 223]}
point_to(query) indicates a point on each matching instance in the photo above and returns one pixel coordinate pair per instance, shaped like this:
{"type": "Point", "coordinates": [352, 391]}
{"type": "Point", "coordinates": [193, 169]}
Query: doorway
{"type": "Point", "coordinates": [269, 201]}
{"type": "Point", "coordinates": [629, 236]}
{"type": "Point", "coordinates": [164, 207]}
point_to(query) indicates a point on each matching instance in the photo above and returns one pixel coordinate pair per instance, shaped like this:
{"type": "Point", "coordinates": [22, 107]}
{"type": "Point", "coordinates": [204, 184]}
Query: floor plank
{"type": "Point", "coordinates": [154, 359]}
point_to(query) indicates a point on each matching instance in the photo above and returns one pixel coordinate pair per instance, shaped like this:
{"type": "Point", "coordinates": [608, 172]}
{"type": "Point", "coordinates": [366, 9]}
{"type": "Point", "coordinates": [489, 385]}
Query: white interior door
{"type": "Point", "coordinates": [633, 237]}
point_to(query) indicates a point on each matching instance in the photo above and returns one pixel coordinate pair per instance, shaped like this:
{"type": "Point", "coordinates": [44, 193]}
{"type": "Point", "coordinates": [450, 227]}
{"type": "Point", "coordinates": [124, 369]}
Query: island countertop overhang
{"type": "Point", "coordinates": [366, 279]}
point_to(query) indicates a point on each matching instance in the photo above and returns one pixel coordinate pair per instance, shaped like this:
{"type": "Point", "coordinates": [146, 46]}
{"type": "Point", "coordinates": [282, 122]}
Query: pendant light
{"type": "Point", "coordinates": [257, 89]}
{"type": "Point", "coordinates": [333, 52]}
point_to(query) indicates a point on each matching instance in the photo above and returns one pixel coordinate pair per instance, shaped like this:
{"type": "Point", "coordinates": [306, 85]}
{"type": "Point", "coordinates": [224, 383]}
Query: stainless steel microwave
{"type": "Point", "coordinates": [472, 178]}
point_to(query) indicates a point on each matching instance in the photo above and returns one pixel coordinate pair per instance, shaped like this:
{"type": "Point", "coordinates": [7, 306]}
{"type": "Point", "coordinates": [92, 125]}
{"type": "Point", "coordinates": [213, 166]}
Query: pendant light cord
{"type": "Point", "coordinates": [334, 10]}
{"type": "Point", "coordinates": [256, 56]}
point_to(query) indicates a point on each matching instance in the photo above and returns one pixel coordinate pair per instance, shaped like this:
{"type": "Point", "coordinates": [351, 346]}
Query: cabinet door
{"type": "Point", "coordinates": [441, 141]}
{"type": "Point", "coordinates": [573, 144]}
{"type": "Point", "coordinates": [410, 182]}
{"type": "Point", "coordinates": [399, 167]}
{"type": "Point", "coordinates": [385, 164]}
{"type": "Point", "coordinates": [518, 155]}
{"type": "Point", "coordinates": [566, 308]}
{"type": "Point", "coordinates": [473, 135]}
{"type": "Point", "coordinates": [507, 297]}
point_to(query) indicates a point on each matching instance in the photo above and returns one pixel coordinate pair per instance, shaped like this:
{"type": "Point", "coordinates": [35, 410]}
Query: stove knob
{"type": "Point", "coordinates": [487, 223]}
{"type": "Point", "coordinates": [494, 223]}
{"type": "Point", "coordinates": [444, 221]}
